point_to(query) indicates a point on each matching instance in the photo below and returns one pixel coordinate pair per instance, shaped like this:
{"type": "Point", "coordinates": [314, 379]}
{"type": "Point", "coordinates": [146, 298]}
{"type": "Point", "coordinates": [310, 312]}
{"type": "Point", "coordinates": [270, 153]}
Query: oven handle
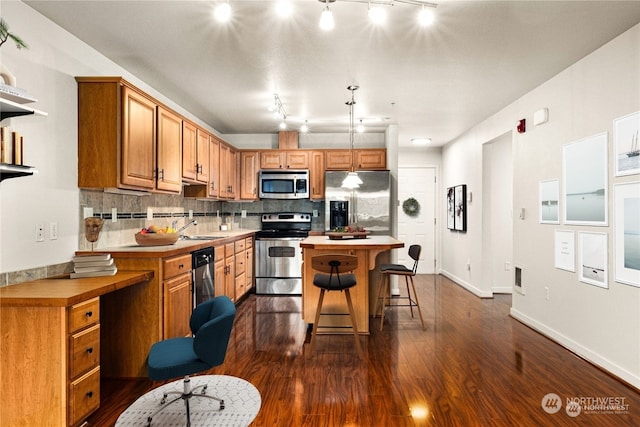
{"type": "Point", "coordinates": [278, 239]}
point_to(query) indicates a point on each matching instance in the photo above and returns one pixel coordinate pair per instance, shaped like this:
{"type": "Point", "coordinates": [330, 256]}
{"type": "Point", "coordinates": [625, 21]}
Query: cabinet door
{"type": "Point", "coordinates": [297, 159]}
{"type": "Point", "coordinates": [316, 173]}
{"type": "Point", "coordinates": [138, 140]}
{"type": "Point", "coordinates": [249, 175]}
{"type": "Point", "coordinates": [337, 160]}
{"type": "Point", "coordinates": [189, 153]}
{"type": "Point", "coordinates": [219, 275]}
{"type": "Point", "coordinates": [203, 158]}
{"type": "Point", "coordinates": [249, 267]}
{"type": "Point", "coordinates": [370, 159]}
{"type": "Point", "coordinates": [271, 160]}
{"type": "Point", "coordinates": [169, 176]}
{"type": "Point", "coordinates": [177, 306]}
{"type": "Point", "coordinates": [214, 168]}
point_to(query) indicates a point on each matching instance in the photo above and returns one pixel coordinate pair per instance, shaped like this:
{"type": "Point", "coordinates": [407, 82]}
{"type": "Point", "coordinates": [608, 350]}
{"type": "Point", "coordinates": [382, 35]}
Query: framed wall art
{"type": "Point", "coordinates": [626, 132]}
{"type": "Point", "coordinates": [627, 233]}
{"type": "Point", "coordinates": [565, 250]}
{"type": "Point", "coordinates": [593, 259]}
{"type": "Point", "coordinates": [549, 202]}
{"type": "Point", "coordinates": [585, 181]}
{"type": "Point", "coordinates": [461, 208]}
{"type": "Point", "coordinates": [451, 208]}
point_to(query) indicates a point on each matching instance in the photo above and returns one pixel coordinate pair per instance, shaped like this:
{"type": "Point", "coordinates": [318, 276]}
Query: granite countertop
{"type": "Point", "coordinates": [371, 242]}
{"type": "Point", "coordinates": [182, 246]}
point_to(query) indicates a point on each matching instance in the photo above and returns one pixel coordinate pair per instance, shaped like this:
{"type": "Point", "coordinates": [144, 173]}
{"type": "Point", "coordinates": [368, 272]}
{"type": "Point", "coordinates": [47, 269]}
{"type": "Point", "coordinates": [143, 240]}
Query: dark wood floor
{"type": "Point", "coordinates": [473, 366]}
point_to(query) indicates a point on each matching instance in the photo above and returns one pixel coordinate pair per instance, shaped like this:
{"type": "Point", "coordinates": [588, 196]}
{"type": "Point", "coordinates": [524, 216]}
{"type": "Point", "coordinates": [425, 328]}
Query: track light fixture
{"type": "Point", "coordinates": [376, 11]}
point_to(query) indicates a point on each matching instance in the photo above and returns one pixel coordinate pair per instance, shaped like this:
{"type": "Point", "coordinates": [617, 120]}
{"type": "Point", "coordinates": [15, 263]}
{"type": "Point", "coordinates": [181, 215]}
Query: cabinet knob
{"type": "Point", "coordinates": [89, 394]}
{"type": "Point", "coordinates": [90, 350]}
{"type": "Point", "coordinates": [89, 313]}
{"type": "Point", "coordinates": [181, 266]}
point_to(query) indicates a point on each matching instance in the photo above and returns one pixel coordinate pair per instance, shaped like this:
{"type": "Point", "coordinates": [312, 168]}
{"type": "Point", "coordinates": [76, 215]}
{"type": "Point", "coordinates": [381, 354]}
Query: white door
{"type": "Point", "coordinates": [420, 229]}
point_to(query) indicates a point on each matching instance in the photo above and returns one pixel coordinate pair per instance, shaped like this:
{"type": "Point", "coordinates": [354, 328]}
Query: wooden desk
{"type": "Point", "coordinates": [50, 352]}
{"type": "Point", "coordinates": [371, 252]}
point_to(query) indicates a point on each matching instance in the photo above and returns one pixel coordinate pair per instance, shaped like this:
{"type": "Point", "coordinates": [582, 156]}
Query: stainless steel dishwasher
{"type": "Point", "coordinates": [202, 270]}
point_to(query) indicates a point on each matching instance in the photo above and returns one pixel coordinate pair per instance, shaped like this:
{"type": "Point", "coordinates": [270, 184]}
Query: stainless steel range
{"type": "Point", "coordinates": [278, 254]}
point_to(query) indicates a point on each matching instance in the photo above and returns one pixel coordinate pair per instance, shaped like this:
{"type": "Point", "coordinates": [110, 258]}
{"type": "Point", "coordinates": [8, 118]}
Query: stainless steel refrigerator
{"type": "Point", "coordinates": [368, 206]}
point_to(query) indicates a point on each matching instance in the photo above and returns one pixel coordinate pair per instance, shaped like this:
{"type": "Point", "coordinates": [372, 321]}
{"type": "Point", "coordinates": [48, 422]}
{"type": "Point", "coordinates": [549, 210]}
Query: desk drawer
{"type": "Point", "coordinates": [84, 314]}
{"type": "Point", "coordinates": [172, 267]}
{"type": "Point", "coordinates": [239, 245]}
{"type": "Point", "coordinates": [84, 396]}
{"type": "Point", "coordinates": [84, 351]}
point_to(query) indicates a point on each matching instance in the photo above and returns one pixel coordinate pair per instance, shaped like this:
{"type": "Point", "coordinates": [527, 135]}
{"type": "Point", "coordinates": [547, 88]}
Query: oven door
{"type": "Point", "coordinates": [278, 266]}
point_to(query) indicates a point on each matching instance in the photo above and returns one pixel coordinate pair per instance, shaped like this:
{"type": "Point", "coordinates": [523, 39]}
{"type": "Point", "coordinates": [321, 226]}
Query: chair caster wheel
{"type": "Point", "coordinates": [149, 422]}
{"type": "Point", "coordinates": [221, 405]}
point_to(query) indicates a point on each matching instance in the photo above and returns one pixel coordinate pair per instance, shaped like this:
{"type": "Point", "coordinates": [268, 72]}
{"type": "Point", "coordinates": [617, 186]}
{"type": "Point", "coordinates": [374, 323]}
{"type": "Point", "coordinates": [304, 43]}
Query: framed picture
{"type": "Point", "coordinates": [593, 259]}
{"type": "Point", "coordinates": [627, 144]}
{"type": "Point", "coordinates": [627, 233]}
{"type": "Point", "coordinates": [565, 250]}
{"type": "Point", "coordinates": [549, 202]}
{"type": "Point", "coordinates": [451, 208]}
{"type": "Point", "coordinates": [461, 207]}
{"type": "Point", "coordinates": [585, 181]}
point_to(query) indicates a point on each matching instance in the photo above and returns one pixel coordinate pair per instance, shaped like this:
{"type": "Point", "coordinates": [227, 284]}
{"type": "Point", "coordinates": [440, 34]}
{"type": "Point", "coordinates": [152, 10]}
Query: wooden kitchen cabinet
{"type": "Point", "coordinates": [284, 159]}
{"type": "Point", "coordinates": [203, 158]}
{"type": "Point", "coordinates": [249, 175]}
{"type": "Point", "coordinates": [227, 171]}
{"type": "Point", "coordinates": [249, 263]}
{"type": "Point", "coordinates": [230, 271]}
{"type": "Point", "coordinates": [177, 301]}
{"type": "Point", "coordinates": [362, 159]}
{"type": "Point", "coordinates": [169, 149]}
{"type": "Point", "coordinates": [370, 159]}
{"type": "Point", "coordinates": [126, 139]}
{"type": "Point", "coordinates": [337, 160]}
{"type": "Point", "coordinates": [189, 151]}
{"type": "Point", "coordinates": [316, 175]}
{"type": "Point", "coordinates": [211, 169]}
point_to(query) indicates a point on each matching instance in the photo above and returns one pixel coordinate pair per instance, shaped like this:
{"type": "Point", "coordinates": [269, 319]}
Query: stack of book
{"type": "Point", "coordinates": [93, 266]}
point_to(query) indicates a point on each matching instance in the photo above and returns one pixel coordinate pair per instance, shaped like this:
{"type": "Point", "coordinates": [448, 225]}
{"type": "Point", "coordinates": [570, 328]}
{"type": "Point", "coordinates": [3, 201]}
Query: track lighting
{"type": "Point", "coordinates": [352, 180]}
{"type": "Point", "coordinates": [304, 128]}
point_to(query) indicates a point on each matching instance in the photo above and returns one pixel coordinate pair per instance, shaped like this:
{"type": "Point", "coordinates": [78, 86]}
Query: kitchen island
{"type": "Point", "coordinates": [371, 252]}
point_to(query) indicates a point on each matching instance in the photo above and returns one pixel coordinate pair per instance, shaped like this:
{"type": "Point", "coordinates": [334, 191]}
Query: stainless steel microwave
{"type": "Point", "coordinates": [285, 184]}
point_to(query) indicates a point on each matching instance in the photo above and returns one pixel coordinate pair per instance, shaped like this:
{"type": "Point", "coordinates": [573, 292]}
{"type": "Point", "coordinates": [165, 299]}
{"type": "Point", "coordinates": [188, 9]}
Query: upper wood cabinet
{"type": "Point", "coordinates": [370, 159]}
{"type": "Point", "coordinates": [287, 159]}
{"type": "Point", "coordinates": [227, 171]}
{"type": "Point", "coordinates": [169, 166]}
{"type": "Point", "coordinates": [126, 139]}
{"type": "Point", "coordinates": [316, 173]}
{"type": "Point", "coordinates": [189, 151]}
{"type": "Point", "coordinates": [249, 175]}
{"type": "Point", "coordinates": [363, 159]}
{"type": "Point", "coordinates": [203, 157]}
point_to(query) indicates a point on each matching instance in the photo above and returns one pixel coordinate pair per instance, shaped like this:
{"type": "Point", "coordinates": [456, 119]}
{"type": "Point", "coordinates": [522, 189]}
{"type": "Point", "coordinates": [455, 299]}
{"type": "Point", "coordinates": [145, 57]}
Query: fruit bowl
{"type": "Point", "coordinates": [156, 239]}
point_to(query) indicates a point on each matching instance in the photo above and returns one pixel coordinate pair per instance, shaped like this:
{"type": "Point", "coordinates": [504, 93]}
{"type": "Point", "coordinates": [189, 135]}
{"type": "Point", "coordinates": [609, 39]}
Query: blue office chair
{"type": "Point", "coordinates": [211, 323]}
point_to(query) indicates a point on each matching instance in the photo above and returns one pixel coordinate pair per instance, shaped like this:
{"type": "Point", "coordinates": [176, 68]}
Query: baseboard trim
{"type": "Point", "coordinates": [466, 285]}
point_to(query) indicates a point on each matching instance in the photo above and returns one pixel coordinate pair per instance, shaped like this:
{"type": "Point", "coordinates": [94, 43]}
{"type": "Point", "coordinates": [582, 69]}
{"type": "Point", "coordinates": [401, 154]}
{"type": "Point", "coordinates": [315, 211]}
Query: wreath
{"type": "Point", "coordinates": [411, 206]}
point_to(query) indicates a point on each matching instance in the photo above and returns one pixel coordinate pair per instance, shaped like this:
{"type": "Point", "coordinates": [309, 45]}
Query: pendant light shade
{"type": "Point", "coordinates": [352, 181]}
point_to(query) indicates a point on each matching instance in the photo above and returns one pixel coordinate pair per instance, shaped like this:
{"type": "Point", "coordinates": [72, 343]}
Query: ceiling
{"type": "Point", "coordinates": [437, 82]}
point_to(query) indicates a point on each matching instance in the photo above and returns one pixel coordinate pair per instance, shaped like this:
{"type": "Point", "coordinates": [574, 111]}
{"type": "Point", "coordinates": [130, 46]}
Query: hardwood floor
{"type": "Point", "coordinates": [473, 366]}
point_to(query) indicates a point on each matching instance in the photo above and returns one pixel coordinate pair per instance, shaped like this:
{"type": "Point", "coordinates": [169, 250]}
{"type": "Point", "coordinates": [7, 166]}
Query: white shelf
{"type": "Point", "coordinates": [13, 109]}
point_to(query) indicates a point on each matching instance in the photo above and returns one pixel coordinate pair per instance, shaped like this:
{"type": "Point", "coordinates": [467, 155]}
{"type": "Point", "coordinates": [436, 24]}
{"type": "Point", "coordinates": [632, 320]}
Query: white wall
{"type": "Point", "coordinates": [47, 70]}
{"type": "Point", "coordinates": [602, 325]}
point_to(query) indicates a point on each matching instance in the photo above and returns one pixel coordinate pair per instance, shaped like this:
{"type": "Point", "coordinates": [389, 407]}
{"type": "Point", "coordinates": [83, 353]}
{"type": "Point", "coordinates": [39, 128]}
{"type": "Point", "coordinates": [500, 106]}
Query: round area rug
{"type": "Point", "coordinates": [241, 399]}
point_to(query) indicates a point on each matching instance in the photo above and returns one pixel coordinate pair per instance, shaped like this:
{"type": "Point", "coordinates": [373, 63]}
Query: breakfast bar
{"type": "Point", "coordinates": [371, 252]}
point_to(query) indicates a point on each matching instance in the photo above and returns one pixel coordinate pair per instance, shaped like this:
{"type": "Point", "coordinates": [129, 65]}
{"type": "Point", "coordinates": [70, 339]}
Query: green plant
{"type": "Point", "coordinates": [6, 35]}
{"type": "Point", "coordinates": [411, 207]}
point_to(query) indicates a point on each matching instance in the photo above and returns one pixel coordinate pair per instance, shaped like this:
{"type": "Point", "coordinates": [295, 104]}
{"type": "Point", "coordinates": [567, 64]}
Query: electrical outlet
{"type": "Point", "coordinates": [468, 265]}
{"type": "Point", "coordinates": [87, 212]}
{"type": "Point", "coordinates": [53, 231]}
{"type": "Point", "coordinates": [190, 213]}
{"type": "Point", "coordinates": [149, 213]}
{"type": "Point", "coordinates": [39, 232]}
{"type": "Point", "coordinates": [315, 213]}
{"type": "Point", "coordinates": [218, 213]}
{"type": "Point", "coordinates": [507, 266]}
{"type": "Point", "coordinates": [546, 293]}
{"type": "Point", "coordinates": [114, 214]}
{"type": "Point", "coordinates": [243, 213]}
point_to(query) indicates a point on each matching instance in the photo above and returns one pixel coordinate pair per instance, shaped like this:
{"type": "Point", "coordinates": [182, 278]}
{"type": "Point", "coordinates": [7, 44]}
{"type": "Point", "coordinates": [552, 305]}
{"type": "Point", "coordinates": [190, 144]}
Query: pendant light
{"type": "Point", "coordinates": [352, 179]}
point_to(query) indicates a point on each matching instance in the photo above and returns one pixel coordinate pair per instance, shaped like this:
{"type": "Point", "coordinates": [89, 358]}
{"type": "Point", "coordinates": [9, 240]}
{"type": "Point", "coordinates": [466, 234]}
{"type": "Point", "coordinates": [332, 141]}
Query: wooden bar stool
{"type": "Point", "coordinates": [336, 265]}
{"type": "Point", "coordinates": [384, 289]}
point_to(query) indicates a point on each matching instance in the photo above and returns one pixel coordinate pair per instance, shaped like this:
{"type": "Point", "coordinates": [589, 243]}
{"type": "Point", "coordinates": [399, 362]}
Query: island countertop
{"type": "Point", "coordinates": [371, 242]}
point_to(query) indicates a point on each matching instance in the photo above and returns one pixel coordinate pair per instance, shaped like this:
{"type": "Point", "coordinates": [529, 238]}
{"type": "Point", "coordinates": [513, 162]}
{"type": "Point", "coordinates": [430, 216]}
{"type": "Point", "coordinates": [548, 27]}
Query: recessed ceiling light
{"type": "Point", "coordinates": [284, 8]}
{"type": "Point", "coordinates": [420, 141]}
